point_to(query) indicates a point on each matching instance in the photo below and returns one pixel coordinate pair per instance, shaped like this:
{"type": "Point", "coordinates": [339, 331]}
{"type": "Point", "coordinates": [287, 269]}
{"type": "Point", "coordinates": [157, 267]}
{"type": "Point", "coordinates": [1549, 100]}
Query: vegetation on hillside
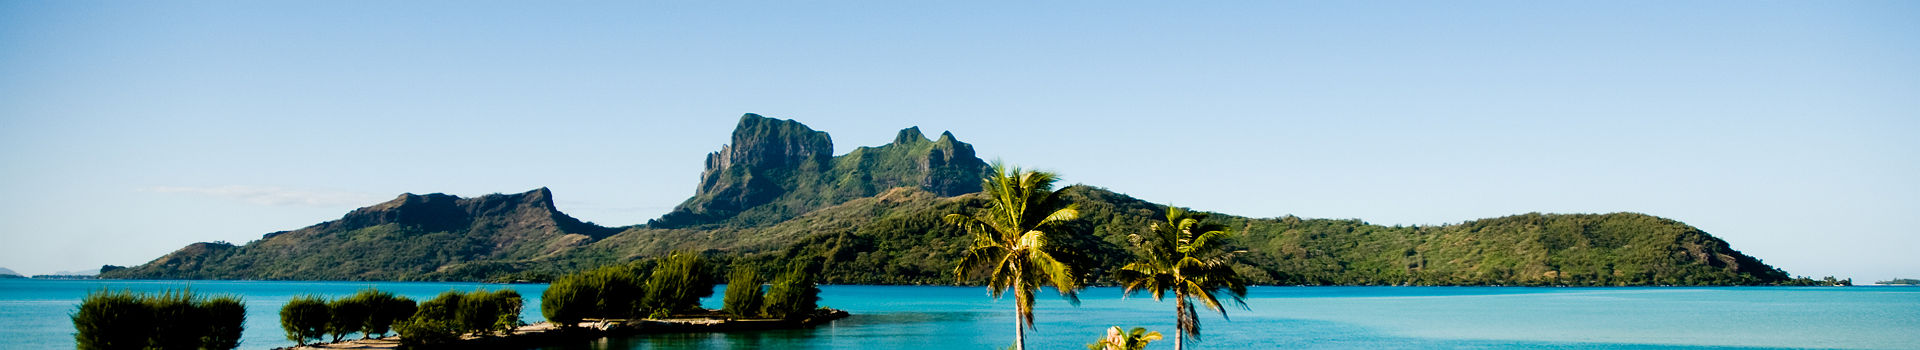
{"type": "Point", "coordinates": [874, 216]}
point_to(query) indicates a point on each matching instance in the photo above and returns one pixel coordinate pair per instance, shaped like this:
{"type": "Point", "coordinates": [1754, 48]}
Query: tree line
{"type": "Point", "coordinates": [170, 320]}
{"type": "Point", "coordinates": [673, 286]}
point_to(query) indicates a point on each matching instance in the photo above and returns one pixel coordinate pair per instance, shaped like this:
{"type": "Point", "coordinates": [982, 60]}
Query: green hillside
{"type": "Point", "coordinates": [776, 193]}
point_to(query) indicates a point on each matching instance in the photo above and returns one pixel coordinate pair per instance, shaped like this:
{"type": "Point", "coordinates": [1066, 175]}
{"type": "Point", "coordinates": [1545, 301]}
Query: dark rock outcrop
{"type": "Point", "coordinates": [778, 169]}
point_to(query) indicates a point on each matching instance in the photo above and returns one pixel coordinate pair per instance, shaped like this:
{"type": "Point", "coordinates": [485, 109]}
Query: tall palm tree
{"type": "Point", "coordinates": [1010, 239]}
{"type": "Point", "coordinates": [1187, 256]}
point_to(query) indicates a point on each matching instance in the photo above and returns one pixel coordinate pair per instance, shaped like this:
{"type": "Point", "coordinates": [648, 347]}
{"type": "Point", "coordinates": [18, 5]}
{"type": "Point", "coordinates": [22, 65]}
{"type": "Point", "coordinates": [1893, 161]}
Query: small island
{"type": "Point", "coordinates": [1900, 282]}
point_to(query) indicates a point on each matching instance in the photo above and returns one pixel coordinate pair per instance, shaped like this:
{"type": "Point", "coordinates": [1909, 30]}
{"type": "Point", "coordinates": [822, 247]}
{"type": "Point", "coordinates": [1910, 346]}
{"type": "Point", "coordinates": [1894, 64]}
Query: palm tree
{"type": "Point", "coordinates": [1010, 239]}
{"type": "Point", "coordinates": [1117, 340]}
{"type": "Point", "coordinates": [1185, 255]}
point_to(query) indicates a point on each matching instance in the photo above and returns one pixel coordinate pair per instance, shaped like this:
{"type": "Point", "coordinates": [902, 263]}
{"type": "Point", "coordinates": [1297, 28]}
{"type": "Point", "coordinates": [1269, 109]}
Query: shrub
{"type": "Point", "coordinates": [112, 320]}
{"type": "Point", "coordinates": [485, 313]}
{"type": "Point", "coordinates": [171, 320]}
{"type": "Point", "coordinates": [744, 293]}
{"type": "Point", "coordinates": [441, 307]}
{"type": "Point", "coordinates": [509, 306]}
{"type": "Point", "coordinates": [678, 283]}
{"type": "Point", "coordinates": [435, 322]}
{"type": "Point", "coordinates": [793, 294]}
{"type": "Point", "coordinates": [225, 316]}
{"type": "Point", "coordinates": [305, 318]}
{"type": "Point", "coordinates": [479, 312]}
{"type": "Point", "coordinates": [178, 323]}
{"type": "Point", "coordinates": [568, 300]}
{"type": "Point", "coordinates": [348, 315]}
{"type": "Point", "coordinates": [387, 310]}
{"type": "Point", "coordinates": [419, 332]}
{"type": "Point", "coordinates": [619, 291]}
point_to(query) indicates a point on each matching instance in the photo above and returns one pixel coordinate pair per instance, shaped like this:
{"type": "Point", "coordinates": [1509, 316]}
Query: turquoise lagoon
{"type": "Point", "coordinates": [33, 315]}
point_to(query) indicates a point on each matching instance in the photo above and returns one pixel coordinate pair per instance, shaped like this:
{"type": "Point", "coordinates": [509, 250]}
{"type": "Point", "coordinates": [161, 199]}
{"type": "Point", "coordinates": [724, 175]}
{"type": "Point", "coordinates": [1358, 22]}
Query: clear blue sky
{"type": "Point", "coordinates": [129, 129]}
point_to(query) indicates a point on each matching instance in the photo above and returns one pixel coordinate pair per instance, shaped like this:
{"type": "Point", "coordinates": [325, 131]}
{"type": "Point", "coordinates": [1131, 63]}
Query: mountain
{"type": "Point", "coordinates": [874, 216]}
{"type": "Point", "coordinates": [7, 273]}
{"type": "Point", "coordinates": [412, 237]}
{"type": "Point", "coordinates": [778, 169]}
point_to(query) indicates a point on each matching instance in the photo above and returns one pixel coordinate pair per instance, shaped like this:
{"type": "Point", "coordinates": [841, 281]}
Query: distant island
{"type": "Point", "coordinates": [8, 273]}
{"type": "Point", "coordinates": [1900, 281]}
{"type": "Point", "coordinates": [873, 216]}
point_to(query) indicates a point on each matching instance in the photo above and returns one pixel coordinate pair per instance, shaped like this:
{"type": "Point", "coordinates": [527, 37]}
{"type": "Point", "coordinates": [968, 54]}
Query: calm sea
{"type": "Point", "coordinates": [33, 315]}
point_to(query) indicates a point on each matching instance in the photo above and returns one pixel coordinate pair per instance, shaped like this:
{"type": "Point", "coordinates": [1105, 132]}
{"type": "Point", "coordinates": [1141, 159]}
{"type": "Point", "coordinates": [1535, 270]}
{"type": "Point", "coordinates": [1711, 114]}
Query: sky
{"type": "Point", "coordinates": [130, 129]}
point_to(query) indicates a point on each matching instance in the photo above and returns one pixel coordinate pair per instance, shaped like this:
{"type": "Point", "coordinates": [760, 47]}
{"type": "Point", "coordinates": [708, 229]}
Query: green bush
{"type": "Point", "coordinates": [509, 306]}
{"type": "Point", "coordinates": [678, 284]}
{"type": "Point", "coordinates": [484, 313]}
{"type": "Point", "coordinates": [568, 300]}
{"type": "Point", "coordinates": [178, 323]}
{"type": "Point", "coordinates": [479, 312]}
{"type": "Point", "coordinates": [112, 320]}
{"type": "Point", "coordinates": [420, 332]}
{"type": "Point", "coordinates": [348, 315]}
{"type": "Point", "coordinates": [225, 316]}
{"type": "Point", "coordinates": [441, 307]}
{"type": "Point", "coordinates": [794, 294]}
{"type": "Point", "coordinates": [305, 318]}
{"type": "Point", "coordinates": [476, 312]}
{"type": "Point", "coordinates": [387, 310]}
{"type": "Point", "coordinates": [170, 320]}
{"type": "Point", "coordinates": [620, 291]}
{"type": "Point", "coordinates": [744, 293]}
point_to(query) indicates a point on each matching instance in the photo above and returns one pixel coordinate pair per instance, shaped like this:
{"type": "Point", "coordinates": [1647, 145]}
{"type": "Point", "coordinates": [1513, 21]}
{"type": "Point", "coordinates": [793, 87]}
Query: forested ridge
{"type": "Point", "coordinates": [874, 217]}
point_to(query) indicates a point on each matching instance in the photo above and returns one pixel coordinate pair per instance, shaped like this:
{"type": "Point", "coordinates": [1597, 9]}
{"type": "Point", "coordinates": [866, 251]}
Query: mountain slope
{"type": "Point", "coordinates": [874, 216]}
{"type": "Point", "coordinates": [412, 237]}
{"type": "Point", "coordinates": [907, 244]}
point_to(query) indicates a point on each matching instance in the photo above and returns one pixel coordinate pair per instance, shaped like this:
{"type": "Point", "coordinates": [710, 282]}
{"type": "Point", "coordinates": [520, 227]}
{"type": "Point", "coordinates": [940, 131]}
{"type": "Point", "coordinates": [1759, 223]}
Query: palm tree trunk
{"type": "Point", "coordinates": [1180, 320]}
{"type": "Point", "coordinates": [1019, 330]}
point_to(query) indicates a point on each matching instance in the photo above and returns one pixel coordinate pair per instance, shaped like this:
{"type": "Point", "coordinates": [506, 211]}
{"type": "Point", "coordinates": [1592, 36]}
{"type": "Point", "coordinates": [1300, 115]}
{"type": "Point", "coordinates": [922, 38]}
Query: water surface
{"type": "Point", "coordinates": [33, 315]}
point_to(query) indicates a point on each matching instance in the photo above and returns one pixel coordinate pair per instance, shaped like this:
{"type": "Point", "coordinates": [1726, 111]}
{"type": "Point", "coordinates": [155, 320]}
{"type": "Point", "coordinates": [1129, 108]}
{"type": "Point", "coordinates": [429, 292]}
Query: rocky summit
{"type": "Point", "coordinates": [777, 169]}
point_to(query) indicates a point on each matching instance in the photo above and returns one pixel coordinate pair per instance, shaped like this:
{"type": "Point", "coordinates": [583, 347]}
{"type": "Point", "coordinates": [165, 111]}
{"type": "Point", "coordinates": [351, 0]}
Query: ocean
{"type": "Point", "coordinates": [34, 315]}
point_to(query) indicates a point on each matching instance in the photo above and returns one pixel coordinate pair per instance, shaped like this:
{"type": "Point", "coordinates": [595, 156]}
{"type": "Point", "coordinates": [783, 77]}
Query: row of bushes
{"type": "Point", "coordinates": [672, 285]}
{"type": "Point", "coordinates": [169, 320]}
{"type": "Point", "coordinates": [793, 293]}
{"type": "Point", "coordinates": [446, 317]}
{"type": "Point", "coordinates": [372, 312]}
{"type": "Point", "coordinates": [369, 312]}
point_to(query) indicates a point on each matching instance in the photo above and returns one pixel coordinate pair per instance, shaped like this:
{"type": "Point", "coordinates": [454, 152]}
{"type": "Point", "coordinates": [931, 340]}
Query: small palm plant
{"type": "Point", "coordinates": [1136, 339]}
{"type": "Point", "coordinates": [1010, 239]}
{"type": "Point", "coordinates": [1188, 256]}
